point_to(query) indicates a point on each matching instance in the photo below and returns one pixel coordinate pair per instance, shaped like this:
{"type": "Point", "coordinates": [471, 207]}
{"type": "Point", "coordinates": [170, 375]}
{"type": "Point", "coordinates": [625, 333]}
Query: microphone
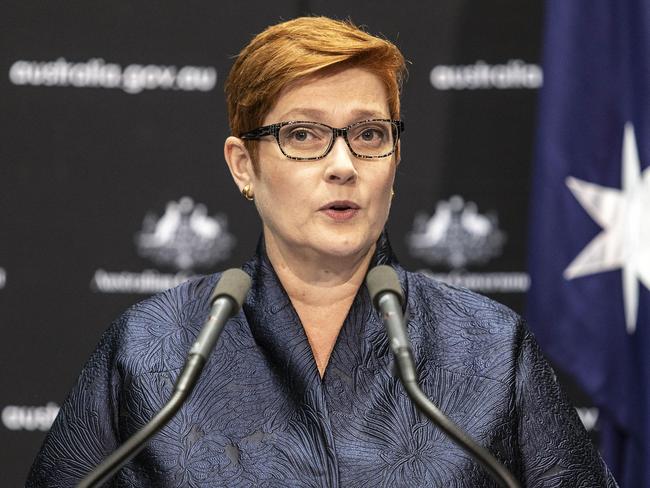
{"type": "Point", "coordinates": [388, 298]}
{"type": "Point", "coordinates": [225, 301]}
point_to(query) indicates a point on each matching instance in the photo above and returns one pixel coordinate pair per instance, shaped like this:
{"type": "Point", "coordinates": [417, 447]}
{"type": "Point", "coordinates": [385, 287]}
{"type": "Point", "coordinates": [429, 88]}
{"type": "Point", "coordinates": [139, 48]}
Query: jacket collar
{"type": "Point", "coordinates": [277, 329]}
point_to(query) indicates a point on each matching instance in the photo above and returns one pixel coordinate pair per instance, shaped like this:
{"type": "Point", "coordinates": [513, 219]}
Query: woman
{"type": "Point", "coordinates": [300, 390]}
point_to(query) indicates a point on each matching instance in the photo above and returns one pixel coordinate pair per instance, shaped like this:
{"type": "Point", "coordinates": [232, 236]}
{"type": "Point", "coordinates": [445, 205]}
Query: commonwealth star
{"type": "Point", "coordinates": [624, 216]}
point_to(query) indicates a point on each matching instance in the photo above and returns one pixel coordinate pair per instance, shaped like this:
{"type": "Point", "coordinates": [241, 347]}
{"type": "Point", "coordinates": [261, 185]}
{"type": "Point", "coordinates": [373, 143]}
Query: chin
{"type": "Point", "coordinates": [344, 247]}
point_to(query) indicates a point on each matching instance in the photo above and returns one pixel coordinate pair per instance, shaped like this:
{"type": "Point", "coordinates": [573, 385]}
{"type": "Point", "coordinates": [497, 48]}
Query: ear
{"type": "Point", "coordinates": [239, 161]}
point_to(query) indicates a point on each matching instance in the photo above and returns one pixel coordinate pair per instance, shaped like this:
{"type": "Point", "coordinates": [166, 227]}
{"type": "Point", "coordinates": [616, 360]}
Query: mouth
{"type": "Point", "coordinates": [340, 205]}
{"type": "Point", "coordinates": [340, 210]}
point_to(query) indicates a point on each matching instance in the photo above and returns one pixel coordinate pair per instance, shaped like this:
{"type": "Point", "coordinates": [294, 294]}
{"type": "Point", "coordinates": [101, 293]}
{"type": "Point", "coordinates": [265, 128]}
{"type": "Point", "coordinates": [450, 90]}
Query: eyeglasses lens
{"type": "Point", "coordinates": [312, 140]}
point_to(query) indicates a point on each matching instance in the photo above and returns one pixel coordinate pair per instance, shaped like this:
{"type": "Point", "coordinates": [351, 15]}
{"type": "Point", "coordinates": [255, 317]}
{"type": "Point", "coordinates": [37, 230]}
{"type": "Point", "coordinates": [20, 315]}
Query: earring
{"type": "Point", "coordinates": [392, 193]}
{"type": "Point", "coordinates": [247, 191]}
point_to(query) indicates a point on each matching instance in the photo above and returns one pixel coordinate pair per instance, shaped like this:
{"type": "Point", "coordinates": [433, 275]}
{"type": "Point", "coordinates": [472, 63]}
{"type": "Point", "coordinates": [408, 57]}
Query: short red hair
{"type": "Point", "coordinates": [292, 50]}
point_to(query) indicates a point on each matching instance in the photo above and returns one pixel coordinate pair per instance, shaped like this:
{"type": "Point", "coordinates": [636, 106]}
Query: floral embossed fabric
{"type": "Point", "coordinates": [261, 415]}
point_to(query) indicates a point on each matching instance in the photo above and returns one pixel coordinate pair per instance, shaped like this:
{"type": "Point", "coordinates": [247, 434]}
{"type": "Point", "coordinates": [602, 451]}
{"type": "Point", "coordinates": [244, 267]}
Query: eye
{"type": "Point", "coordinates": [299, 135]}
{"type": "Point", "coordinates": [370, 134]}
{"type": "Point", "coordinates": [302, 134]}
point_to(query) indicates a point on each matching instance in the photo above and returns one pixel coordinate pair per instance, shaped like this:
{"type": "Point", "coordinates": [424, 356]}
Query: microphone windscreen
{"type": "Point", "coordinates": [381, 279]}
{"type": "Point", "coordinates": [234, 284]}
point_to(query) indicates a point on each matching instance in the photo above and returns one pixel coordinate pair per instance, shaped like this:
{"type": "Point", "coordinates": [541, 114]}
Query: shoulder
{"type": "Point", "coordinates": [461, 330]}
{"type": "Point", "coordinates": [155, 334]}
{"type": "Point", "coordinates": [461, 306]}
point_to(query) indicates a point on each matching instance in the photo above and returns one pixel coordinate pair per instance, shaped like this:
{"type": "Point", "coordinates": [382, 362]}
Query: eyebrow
{"type": "Point", "coordinates": [357, 114]}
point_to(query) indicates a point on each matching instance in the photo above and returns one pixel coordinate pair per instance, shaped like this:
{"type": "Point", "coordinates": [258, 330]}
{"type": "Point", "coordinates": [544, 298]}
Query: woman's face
{"type": "Point", "coordinates": [338, 205]}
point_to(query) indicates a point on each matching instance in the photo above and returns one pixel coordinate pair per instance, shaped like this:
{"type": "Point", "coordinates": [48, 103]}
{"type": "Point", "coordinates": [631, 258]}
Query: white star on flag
{"type": "Point", "coordinates": [624, 216]}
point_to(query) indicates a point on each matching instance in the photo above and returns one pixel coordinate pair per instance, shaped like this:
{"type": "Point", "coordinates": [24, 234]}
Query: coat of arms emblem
{"type": "Point", "coordinates": [456, 235]}
{"type": "Point", "coordinates": [185, 236]}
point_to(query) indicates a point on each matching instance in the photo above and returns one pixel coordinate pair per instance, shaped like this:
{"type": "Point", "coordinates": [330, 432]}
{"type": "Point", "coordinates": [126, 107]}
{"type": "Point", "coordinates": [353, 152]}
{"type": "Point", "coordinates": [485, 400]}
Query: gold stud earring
{"type": "Point", "coordinates": [392, 193]}
{"type": "Point", "coordinates": [247, 191]}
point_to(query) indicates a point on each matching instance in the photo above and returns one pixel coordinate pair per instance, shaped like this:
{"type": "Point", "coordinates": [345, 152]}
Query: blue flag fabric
{"type": "Point", "coordinates": [589, 258]}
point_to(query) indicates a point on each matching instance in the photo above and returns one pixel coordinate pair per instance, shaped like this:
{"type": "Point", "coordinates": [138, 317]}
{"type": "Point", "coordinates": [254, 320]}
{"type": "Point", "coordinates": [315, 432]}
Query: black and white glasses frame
{"type": "Point", "coordinates": [274, 130]}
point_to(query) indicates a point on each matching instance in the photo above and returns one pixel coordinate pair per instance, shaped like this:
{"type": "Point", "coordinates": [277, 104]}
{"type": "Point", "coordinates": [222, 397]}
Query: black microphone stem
{"type": "Point", "coordinates": [386, 293]}
{"type": "Point", "coordinates": [405, 362]}
{"type": "Point", "coordinates": [226, 301]}
{"type": "Point", "coordinates": [136, 442]}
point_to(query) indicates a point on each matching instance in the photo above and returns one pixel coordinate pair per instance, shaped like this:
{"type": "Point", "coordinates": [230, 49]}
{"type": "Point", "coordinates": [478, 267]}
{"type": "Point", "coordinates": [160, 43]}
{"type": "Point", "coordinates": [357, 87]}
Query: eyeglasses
{"type": "Point", "coordinates": [309, 141]}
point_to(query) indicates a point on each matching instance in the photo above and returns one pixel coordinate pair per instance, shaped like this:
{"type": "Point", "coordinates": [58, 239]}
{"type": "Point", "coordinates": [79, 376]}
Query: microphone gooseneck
{"type": "Point", "coordinates": [225, 301]}
{"type": "Point", "coordinates": [387, 296]}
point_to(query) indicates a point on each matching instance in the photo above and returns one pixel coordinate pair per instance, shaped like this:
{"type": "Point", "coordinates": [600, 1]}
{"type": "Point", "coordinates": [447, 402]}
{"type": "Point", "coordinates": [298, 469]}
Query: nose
{"type": "Point", "coordinates": [340, 164]}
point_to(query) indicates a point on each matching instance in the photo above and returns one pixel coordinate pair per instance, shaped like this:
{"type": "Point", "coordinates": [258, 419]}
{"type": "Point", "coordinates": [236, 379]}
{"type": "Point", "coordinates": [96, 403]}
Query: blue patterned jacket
{"type": "Point", "coordinates": [261, 415]}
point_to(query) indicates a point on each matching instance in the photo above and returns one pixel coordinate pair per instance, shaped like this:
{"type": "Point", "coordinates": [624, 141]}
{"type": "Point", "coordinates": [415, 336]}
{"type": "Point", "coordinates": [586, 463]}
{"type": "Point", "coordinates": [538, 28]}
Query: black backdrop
{"type": "Point", "coordinates": [113, 185]}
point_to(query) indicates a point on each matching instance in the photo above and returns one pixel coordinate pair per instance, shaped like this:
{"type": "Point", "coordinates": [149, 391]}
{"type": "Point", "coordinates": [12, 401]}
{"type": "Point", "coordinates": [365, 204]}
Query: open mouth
{"type": "Point", "coordinates": [340, 205]}
{"type": "Point", "coordinates": [340, 210]}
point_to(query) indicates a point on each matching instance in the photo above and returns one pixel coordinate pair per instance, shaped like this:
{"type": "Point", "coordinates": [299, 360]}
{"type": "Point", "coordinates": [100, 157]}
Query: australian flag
{"type": "Point", "coordinates": [589, 301]}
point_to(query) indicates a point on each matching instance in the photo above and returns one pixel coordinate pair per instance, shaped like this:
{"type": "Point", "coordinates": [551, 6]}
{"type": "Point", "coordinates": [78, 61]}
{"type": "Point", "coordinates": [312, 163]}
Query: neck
{"type": "Point", "coordinates": [316, 280]}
